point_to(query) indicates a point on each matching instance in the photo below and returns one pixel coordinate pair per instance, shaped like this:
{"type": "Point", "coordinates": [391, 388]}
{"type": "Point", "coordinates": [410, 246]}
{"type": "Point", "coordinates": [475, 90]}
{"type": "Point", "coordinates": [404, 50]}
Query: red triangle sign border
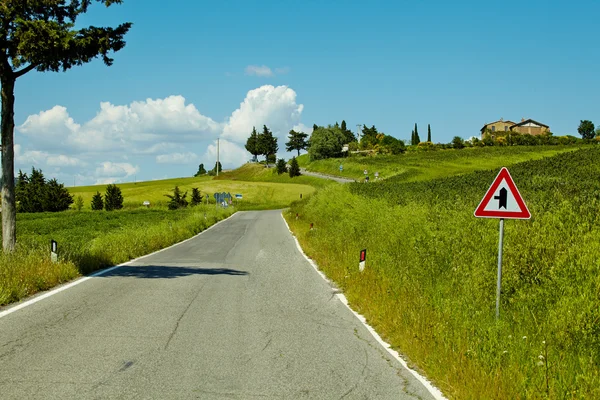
{"type": "Point", "coordinates": [502, 175]}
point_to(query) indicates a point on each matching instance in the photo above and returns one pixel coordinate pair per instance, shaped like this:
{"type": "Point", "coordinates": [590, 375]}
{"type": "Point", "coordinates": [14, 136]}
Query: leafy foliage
{"type": "Point", "coordinates": [586, 129]}
{"type": "Point", "coordinates": [326, 143]}
{"type": "Point", "coordinates": [281, 166]}
{"type": "Point", "coordinates": [267, 143]}
{"type": "Point", "coordinates": [78, 203]}
{"type": "Point", "coordinates": [294, 168]}
{"type": "Point", "coordinates": [218, 167]}
{"type": "Point", "coordinates": [97, 202]}
{"type": "Point", "coordinates": [369, 137]}
{"type": "Point", "coordinates": [458, 142]}
{"type": "Point", "coordinates": [252, 145]}
{"type": "Point", "coordinates": [201, 170]}
{"type": "Point", "coordinates": [178, 200]}
{"type": "Point", "coordinates": [196, 197]}
{"type": "Point", "coordinates": [349, 136]}
{"type": "Point", "coordinates": [35, 194]}
{"type": "Point", "coordinates": [297, 141]}
{"type": "Point", "coordinates": [113, 199]}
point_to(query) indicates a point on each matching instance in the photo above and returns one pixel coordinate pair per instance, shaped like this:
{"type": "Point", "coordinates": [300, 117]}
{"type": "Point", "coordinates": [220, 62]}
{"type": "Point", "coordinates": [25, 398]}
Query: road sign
{"type": "Point", "coordinates": [503, 200]}
{"type": "Point", "coordinates": [238, 196]}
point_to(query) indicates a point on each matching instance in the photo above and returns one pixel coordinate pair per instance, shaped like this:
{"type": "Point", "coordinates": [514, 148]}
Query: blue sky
{"type": "Point", "coordinates": [454, 65]}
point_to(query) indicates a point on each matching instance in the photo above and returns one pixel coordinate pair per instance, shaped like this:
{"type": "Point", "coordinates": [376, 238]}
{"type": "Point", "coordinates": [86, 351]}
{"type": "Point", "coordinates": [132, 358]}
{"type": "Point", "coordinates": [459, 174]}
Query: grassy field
{"type": "Point", "coordinates": [88, 241]}
{"type": "Point", "coordinates": [258, 173]}
{"type": "Point", "coordinates": [256, 195]}
{"type": "Point", "coordinates": [429, 284]}
{"type": "Point", "coordinates": [426, 165]}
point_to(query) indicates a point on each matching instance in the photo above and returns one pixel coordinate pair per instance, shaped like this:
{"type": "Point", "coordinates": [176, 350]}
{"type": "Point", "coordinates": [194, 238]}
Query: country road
{"type": "Point", "coordinates": [235, 313]}
{"type": "Point", "coordinates": [339, 179]}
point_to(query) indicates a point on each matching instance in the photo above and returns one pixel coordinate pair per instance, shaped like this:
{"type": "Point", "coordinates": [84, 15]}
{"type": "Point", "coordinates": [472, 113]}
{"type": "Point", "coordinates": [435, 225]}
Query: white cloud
{"type": "Point", "coordinates": [177, 158]}
{"type": "Point", "coordinates": [303, 128]}
{"type": "Point", "coordinates": [120, 138]}
{"type": "Point", "coordinates": [257, 70]}
{"type": "Point", "coordinates": [282, 70]}
{"type": "Point", "coordinates": [230, 154]}
{"type": "Point", "coordinates": [64, 161]}
{"type": "Point", "coordinates": [109, 169]}
{"type": "Point", "coordinates": [267, 105]}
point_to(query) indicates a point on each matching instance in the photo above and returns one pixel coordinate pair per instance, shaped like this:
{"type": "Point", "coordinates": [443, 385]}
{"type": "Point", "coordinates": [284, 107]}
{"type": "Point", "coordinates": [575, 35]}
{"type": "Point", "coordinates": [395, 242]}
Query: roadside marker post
{"type": "Point", "coordinates": [363, 260]}
{"type": "Point", "coordinates": [502, 200]}
{"type": "Point", "coordinates": [53, 251]}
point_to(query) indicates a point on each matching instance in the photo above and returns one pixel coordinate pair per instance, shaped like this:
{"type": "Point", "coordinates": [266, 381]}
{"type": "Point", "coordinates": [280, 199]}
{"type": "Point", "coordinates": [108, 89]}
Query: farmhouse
{"type": "Point", "coordinates": [527, 126]}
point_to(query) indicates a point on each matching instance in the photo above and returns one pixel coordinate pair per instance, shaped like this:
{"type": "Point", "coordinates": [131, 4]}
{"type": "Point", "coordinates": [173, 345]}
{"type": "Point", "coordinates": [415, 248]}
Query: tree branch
{"type": "Point", "coordinates": [25, 70]}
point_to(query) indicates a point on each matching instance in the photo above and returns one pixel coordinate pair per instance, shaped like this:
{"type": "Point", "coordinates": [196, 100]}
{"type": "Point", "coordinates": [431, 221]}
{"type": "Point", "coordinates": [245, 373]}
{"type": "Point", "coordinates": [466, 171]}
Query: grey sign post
{"type": "Point", "coordinates": [502, 200]}
{"type": "Point", "coordinates": [53, 251]}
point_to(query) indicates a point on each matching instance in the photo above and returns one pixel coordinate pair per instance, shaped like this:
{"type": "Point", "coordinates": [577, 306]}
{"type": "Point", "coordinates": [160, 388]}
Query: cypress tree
{"type": "Point", "coordinates": [417, 138]}
{"type": "Point", "coordinates": [97, 202]}
{"type": "Point", "coordinates": [428, 133]}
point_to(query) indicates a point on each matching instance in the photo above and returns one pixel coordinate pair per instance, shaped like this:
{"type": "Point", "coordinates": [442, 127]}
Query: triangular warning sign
{"type": "Point", "coordinates": [503, 200]}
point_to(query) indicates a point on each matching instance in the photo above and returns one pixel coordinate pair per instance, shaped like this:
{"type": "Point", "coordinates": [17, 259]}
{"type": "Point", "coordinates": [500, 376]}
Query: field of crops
{"type": "Point", "coordinates": [429, 284]}
{"type": "Point", "coordinates": [427, 165]}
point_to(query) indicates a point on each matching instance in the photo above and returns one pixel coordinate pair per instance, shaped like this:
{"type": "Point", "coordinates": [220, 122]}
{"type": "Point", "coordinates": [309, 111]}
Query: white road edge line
{"type": "Point", "coordinates": [102, 272]}
{"type": "Point", "coordinates": [435, 392]}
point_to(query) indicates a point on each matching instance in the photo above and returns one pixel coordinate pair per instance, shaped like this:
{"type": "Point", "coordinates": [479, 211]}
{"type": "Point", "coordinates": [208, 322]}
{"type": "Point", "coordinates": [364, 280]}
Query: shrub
{"type": "Point", "coordinates": [78, 203]}
{"type": "Point", "coordinates": [177, 199]}
{"type": "Point", "coordinates": [281, 167]}
{"type": "Point", "coordinates": [97, 202]}
{"type": "Point", "coordinates": [113, 199]}
{"type": "Point", "coordinates": [294, 168]}
{"type": "Point", "coordinates": [196, 197]}
{"type": "Point", "coordinates": [457, 142]}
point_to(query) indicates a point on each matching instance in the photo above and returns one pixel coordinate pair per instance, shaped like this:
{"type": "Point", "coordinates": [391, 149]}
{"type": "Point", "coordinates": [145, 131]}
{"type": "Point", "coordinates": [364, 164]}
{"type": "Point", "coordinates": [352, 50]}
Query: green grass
{"type": "Point", "coordinates": [255, 172]}
{"type": "Point", "coordinates": [427, 165]}
{"type": "Point", "coordinates": [429, 284]}
{"type": "Point", "coordinates": [88, 241]}
{"type": "Point", "coordinates": [256, 195]}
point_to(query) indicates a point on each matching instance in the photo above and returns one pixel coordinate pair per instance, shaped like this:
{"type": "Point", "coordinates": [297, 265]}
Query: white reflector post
{"type": "Point", "coordinates": [363, 259]}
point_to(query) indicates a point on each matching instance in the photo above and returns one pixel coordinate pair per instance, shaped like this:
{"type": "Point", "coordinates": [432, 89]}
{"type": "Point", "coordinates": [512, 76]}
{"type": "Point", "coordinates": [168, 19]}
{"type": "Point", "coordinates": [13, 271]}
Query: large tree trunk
{"type": "Point", "coordinates": [9, 212]}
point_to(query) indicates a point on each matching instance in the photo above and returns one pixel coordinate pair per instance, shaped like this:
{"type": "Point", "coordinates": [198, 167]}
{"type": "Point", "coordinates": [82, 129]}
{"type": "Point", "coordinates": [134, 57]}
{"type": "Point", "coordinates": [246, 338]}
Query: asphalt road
{"type": "Point", "coordinates": [235, 313]}
{"type": "Point", "coordinates": [339, 179]}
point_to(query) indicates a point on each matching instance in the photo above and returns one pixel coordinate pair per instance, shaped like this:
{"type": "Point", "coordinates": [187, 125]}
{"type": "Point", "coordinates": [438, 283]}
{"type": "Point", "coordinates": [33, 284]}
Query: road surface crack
{"type": "Point", "coordinates": [182, 315]}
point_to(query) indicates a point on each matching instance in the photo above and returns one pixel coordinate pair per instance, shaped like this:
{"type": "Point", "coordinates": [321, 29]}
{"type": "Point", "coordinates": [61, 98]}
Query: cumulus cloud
{"type": "Point", "coordinates": [230, 154]}
{"type": "Point", "coordinates": [258, 70]}
{"type": "Point", "coordinates": [177, 158]}
{"type": "Point", "coordinates": [119, 138]}
{"type": "Point", "coordinates": [303, 128]}
{"type": "Point", "coordinates": [267, 105]}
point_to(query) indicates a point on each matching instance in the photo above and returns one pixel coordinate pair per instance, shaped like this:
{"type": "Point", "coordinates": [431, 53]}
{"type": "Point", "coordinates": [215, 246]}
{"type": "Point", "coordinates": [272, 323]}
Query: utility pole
{"type": "Point", "coordinates": [358, 129]}
{"type": "Point", "coordinates": [217, 166]}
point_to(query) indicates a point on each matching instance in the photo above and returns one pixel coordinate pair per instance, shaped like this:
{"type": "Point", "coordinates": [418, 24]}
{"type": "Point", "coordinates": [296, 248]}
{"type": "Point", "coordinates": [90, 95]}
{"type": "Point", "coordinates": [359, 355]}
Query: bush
{"type": "Point", "coordinates": [177, 199]}
{"type": "Point", "coordinates": [78, 203]}
{"type": "Point", "coordinates": [113, 199]}
{"type": "Point", "coordinates": [34, 194]}
{"type": "Point", "coordinates": [97, 202]}
{"type": "Point", "coordinates": [281, 167]}
{"type": "Point", "coordinates": [196, 197]}
{"type": "Point", "coordinates": [326, 143]}
{"type": "Point", "coordinates": [294, 168]}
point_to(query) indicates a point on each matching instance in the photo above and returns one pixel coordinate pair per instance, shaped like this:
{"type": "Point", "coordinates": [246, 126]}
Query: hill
{"type": "Point", "coordinates": [429, 284]}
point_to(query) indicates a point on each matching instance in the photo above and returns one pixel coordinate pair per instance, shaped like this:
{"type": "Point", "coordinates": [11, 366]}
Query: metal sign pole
{"type": "Point", "coordinates": [498, 288]}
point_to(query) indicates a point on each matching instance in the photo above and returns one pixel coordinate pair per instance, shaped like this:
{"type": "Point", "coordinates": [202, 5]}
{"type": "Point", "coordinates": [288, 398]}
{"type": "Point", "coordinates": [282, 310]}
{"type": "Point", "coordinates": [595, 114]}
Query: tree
{"type": "Point", "coordinates": [113, 199]}
{"type": "Point", "coordinates": [326, 143]}
{"type": "Point", "coordinates": [417, 138]}
{"type": "Point", "coordinates": [56, 197]}
{"type": "Point", "coordinates": [40, 35]}
{"type": "Point", "coordinates": [97, 202]}
{"type": "Point", "coordinates": [32, 192]}
{"type": "Point", "coordinates": [458, 142]}
{"type": "Point", "coordinates": [294, 168]}
{"type": "Point", "coordinates": [412, 138]}
{"type": "Point", "coordinates": [201, 170]}
{"type": "Point", "coordinates": [297, 141]}
{"type": "Point", "coordinates": [267, 143]}
{"type": "Point", "coordinates": [79, 203]}
{"type": "Point", "coordinates": [178, 200]}
{"type": "Point", "coordinates": [347, 133]}
{"type": "Point", "coordinates": [252, 144]}
{"type": "Point", "coordinates": [586, 129]}
{"type": "Point", "coordinates": [281, 167]}
{"type": "Point", "coordinates": [369, 137]}
{"type": "Point", "coordinates": [390, 144]}
{"type": "Point", "coordinates": [196, 197]}
{"type": "Point", "coordinates": [218, 167]}
{"type": "Point", "coordinates": [428, 133]}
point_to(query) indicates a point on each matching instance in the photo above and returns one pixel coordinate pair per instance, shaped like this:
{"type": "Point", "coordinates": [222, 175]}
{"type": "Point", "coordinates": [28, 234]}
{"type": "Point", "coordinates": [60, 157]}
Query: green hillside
{"type": "Point", "coordinates": [425, 165]}
{"type": "Point", "coordinates": [429, 284]}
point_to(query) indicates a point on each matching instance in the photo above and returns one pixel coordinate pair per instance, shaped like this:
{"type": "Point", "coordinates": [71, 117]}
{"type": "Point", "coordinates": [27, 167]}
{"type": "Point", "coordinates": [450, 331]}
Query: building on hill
{"type": "Point", "coordinates": [526, 126]}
